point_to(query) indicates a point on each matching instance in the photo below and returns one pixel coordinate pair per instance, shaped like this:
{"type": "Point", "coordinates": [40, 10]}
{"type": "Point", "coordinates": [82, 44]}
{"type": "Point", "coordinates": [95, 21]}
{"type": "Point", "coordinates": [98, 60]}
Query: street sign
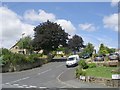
{"type": "Point", "coordinates": [116, 76]}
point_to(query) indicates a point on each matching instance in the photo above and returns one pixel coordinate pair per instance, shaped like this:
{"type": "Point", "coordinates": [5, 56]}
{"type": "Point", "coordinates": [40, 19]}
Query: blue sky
{"type": "Point", "coordinates": [95, 22]}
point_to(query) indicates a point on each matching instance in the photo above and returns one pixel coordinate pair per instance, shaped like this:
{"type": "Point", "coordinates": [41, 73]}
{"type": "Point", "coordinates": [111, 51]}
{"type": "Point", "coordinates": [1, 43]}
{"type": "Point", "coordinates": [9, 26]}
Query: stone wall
{"type": "Point", "coordinates": [20, 67]}
{"type": "Point", "coordinates": [105, 81]}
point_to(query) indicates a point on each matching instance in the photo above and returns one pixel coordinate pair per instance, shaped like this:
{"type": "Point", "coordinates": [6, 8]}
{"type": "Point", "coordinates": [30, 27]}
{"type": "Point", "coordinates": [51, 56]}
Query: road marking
{"type": "Point", "coordinates": [42, 87]}
{"type": "Point", "coordinates": [59, 65]}
{"type": "Point", "coordinates": [16, 84]}
{"type": "Point", "coordinates": [58, 78]}
{"type": "Point", "coordinates": [24, 85]}
{"type": "Point", "coordinates": [17, 80]}
{"type": "Point", "coordinates": [7, 83]}
{"type": "Point", "coordinates": [44, 71]}
{"type": "Point", "coordinates": [33, 86]}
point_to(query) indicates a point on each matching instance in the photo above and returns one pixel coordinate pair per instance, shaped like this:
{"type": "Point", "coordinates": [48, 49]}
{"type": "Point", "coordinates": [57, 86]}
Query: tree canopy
{"type": "Point", "coordinates": [48, 36]}
{"type": "Point", "coordinates": [103, 50]}
{"type": "Point", "coordinates": [89, 48]}
{"type": "Point", "coordinates": [25, 43]}
{"type": "Point", "coordinates": [75, 43]}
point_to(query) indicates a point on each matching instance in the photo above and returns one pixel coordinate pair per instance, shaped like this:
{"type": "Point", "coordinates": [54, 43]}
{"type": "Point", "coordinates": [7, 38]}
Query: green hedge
{"type": "Point", "coordinates": [79, 72]}
{"type": "Point", "coordinates": [83, 64]}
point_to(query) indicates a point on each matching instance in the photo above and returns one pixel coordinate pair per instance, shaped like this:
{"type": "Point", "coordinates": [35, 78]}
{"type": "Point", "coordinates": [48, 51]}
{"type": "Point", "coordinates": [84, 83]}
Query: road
{"type": "Point", "coordinates": [51, 75]}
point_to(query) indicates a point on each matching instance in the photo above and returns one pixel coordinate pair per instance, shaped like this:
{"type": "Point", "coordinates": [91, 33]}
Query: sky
{"type": "Point", "coordinates": [95, 22]}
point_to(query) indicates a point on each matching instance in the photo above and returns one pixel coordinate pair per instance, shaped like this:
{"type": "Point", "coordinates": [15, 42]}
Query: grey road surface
{"type": "Point", "coordinates": [51, 75]}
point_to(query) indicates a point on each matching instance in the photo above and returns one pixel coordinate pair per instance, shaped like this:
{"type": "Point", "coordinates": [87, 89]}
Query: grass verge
{"type": "Point", "coordinates": [100, 71]}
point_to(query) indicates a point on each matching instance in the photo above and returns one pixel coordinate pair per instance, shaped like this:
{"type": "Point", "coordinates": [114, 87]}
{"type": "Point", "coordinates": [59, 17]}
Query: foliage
{"type": "Point", "coordinates": [75, 43]}
{"type": "Point", "coordinates": [116, 71]}
{"type": "Point", "coordinates": [14, 58]}
{"type": "Point", "coordinates": [25, 43]}
{"type": "Point", "coordinates": [91, 65]}
{"type": "Point", "coordinates": [88, 49]}
{"type": "Point", "coordinates": [103, 50]}
{"type": "Point", "coordinates": [83, 64]}
{"type": "Point", "coordinates": [95, 55]}
{"type": "Point", "coordinates": [79, 72]}
{"type": "Point", "coordinates": [48, 36]}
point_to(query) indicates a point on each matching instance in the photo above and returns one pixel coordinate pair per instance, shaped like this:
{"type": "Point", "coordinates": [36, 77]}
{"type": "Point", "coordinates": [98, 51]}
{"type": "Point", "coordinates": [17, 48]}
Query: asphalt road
{"type": "Point", "coordinates": [51, 75]}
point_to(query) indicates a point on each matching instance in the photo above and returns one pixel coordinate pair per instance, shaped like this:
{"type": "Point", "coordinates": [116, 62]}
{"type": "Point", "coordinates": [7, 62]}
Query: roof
{"type": "Point", "coordinates": [73, 56]}
{"type": "Point", "coordinates": [15, 44]}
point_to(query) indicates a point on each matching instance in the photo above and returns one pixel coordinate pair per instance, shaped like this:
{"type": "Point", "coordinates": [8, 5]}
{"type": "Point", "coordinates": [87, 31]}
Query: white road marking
{"type": "Point", "coordinates": [58, 78]}
{"type": "Point", "coordinates": [18, 80]}
{"type": "Point", "coordinates": [33, 86]}
{"type": "Point", "coordinates": [16, 84]}
{"type": "Point", "coordinates": [42, 87]}
{"type": "Point", "coordinates": [7, 83]}
{"type": "Point", "coordinates": [24, 85]}
{"type": "Point", "coordinates": [44, 71]}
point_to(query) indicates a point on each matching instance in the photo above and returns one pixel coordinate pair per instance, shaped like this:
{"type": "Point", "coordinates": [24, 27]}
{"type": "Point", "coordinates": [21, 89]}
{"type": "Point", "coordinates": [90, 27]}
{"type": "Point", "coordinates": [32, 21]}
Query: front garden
{"type": "Point", "coordinates": [95, 69]}
{"type": "Point", "coordinates": [97, 72]}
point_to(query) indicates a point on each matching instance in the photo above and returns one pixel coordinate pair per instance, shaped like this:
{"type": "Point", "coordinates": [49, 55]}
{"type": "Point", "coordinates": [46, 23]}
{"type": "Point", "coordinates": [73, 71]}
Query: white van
{"type": "Point", "coordinates": [72, 60]}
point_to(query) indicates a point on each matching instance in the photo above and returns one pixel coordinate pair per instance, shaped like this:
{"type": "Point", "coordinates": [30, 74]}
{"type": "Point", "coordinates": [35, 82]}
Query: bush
{"type": "Point", "coordinates": [83, 64]}
{"type": "Point", "coordinates": [91, 65]}
{"type": "Point", "coordinates": [79, 72]}
{"type": "Point", "coordinates": [116, 71]}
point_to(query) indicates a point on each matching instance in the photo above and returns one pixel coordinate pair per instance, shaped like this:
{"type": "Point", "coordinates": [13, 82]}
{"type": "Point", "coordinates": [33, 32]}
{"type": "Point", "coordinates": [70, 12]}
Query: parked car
{"type": "Point", "coordinates": [99, 58]}
{"type": "Point", "coordinates": [85, 56]}
{"type": "Point", "coordinates": [113, 56]}
{"type": "Point", "coordinates": [72, 60]}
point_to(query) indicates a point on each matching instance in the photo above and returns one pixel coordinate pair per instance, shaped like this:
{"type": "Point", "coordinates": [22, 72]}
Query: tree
{"type": "Point", "coordinates": [75, 43]}
{"type": "Point", "coordinates": [89, 49]}
{"type": "Point", "coordinates": [103, 50]}
{"type": "Point", "coordinates": [25, 43]}
{"type": "Point", "coordinates": [48, 36]}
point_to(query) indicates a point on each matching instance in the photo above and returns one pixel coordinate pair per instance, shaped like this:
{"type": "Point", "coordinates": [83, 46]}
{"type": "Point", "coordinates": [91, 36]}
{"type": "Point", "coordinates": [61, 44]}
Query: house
{"type": "Point", "coordinates": [15, 49]}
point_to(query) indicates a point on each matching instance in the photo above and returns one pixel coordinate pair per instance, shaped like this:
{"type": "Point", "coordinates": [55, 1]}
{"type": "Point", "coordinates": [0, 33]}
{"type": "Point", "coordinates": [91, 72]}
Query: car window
{"type": "Point", "coordinates": [70, 59]}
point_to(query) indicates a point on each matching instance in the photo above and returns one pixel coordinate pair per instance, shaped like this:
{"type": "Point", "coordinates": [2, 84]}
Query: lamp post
{"type": "Point", "coordinates": [22, 43]}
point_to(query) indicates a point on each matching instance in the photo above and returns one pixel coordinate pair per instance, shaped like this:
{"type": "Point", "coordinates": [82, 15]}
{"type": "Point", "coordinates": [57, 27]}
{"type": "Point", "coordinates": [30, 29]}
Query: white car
{"type": "Point", "coordinates": [72, 60]}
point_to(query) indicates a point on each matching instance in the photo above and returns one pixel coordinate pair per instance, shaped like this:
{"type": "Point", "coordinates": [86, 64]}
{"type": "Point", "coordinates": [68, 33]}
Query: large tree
{"type": "Point", "coordinates": [75, 43]}
{"type": "Point", "coordinates": [48, 36]}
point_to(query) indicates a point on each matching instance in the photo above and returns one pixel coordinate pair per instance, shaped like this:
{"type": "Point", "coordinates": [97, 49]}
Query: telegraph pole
{"type": "Point", "coordinates": [22, 43]}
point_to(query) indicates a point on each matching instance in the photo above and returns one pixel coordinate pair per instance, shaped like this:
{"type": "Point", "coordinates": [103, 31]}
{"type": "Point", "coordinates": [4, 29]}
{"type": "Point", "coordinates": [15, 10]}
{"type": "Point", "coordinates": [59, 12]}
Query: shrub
{"type": "Point", "coordinates": [91, 65]}
{"type": "Point", "coordinates": [79, 72]}
{"type": "Point", "coordinates": [83, 64]}
{"type": "Point", "coordinates": [116, 71]}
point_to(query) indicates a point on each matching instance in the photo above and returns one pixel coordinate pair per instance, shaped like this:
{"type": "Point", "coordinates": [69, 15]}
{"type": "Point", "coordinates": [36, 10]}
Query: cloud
{"type": "Point", "coordinates": [88, 27]}
{"type": "Point", "coordinates": [114, 3]}
{"type": "Point", "coordinates": [43, 16]}
{"type": "Point", "coordinates": [40, 16]}
{"type": "Point", "coordinates": [67, 25]}
{"type": "Point", "coordinates": [111, 22]}
{"type": "Point", "coordinates": [12, 27]}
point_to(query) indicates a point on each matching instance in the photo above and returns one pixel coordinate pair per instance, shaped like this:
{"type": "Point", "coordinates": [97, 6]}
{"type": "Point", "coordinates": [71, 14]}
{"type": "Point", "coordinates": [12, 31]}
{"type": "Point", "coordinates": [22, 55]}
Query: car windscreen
{"type": "Point", "coordinates": [70, 59]}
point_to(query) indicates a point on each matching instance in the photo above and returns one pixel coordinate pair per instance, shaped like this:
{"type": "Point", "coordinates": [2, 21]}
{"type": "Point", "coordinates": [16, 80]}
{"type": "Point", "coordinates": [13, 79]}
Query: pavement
{"type": "Point", "coordinates": [51, 75]}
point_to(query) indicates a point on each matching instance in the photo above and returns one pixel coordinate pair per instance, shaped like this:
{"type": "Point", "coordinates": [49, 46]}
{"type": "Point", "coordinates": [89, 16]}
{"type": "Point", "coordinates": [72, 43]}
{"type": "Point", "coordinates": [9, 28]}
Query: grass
{"type": "Point", "coordinates": [100, 71]}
